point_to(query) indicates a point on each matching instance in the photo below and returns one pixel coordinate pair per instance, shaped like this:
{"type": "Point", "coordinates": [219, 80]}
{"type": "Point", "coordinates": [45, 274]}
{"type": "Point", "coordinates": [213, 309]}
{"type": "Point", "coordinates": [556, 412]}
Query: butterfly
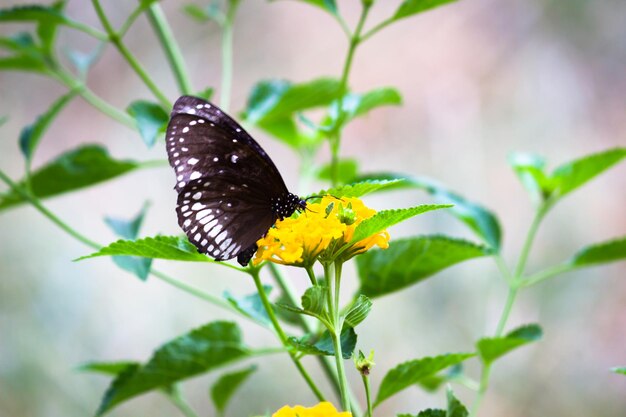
{"type": "Point", "coordinates": [229, 191]}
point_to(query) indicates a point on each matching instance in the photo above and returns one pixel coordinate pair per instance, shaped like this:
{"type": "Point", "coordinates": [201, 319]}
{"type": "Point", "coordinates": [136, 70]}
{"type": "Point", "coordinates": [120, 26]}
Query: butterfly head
{"type": "Point", "coordinates": [286, 205]}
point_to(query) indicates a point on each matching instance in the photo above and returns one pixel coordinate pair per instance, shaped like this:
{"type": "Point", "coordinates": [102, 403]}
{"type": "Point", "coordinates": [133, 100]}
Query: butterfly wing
{"type": "Point", "coordinates": [225, 180]}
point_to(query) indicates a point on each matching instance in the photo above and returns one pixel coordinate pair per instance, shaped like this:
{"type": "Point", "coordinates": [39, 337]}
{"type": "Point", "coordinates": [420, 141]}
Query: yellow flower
{"type": "Point", "coordinates": [323, 409]}
{"type": "Point", "coordinates": [324, 229]}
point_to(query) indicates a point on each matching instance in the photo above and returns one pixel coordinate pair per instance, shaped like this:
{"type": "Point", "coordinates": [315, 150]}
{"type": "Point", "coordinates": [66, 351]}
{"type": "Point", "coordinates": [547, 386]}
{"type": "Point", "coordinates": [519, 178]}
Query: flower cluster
{"type": "Point", "coordinates": [324, 229]}
{"type": "Point", "coordinates": [323, 409]}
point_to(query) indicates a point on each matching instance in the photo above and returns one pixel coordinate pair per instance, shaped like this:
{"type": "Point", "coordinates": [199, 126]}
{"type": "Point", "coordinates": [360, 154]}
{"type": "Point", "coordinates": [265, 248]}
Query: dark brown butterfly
{"type": "Point", "coordinates": [229, 191]}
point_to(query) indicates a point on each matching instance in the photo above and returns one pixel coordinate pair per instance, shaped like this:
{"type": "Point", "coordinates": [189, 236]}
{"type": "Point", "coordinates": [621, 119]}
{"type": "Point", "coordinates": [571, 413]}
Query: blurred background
{"type": "Point", "coordinates": [480, 80]}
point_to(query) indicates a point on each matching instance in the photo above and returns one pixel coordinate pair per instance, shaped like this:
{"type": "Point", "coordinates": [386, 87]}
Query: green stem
{"type": "Point", "coordinates": [128, 56]}
{"type": "Point", "coordinates": [227, 64]}
{"type": "Point", "coordinates": [514, 285]}
{"type": "Point", "coordinates": [546, 274]}
{"type": "Point", "coordinates": [325, 361]}
{"type": "Point", "coordinates": [332, 272]}
{"type": "Point", "coordinates": [377, 28]}
{"type": "Point", "coordinates": [335, 135]}
{"type": "Point", "coordinates": [281, 334]}
{"type": "Point", "coordinates": [91, 31]}
{"type": "Point", "coordinates": [90, 97]}
{"type": "Point", "coordinates": [311, 275]}
{"type": "Point", "coordinates": [179, 401]}
{"type": "Point", "coordinates": [366, 385]}
{"type": "Point", "coordinates": [170, 46]}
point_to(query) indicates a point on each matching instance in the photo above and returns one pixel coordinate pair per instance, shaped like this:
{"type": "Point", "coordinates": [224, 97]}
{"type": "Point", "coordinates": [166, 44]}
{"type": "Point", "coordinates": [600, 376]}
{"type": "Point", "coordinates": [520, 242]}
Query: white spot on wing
{"type": "Point", "coordinates": [202, 213]}
{"type": "Point", "coordinates": [193, 161]}
{"type": "Point", "coordinates": [233, 159]}
{"type": "Point", "coordinates": [185, 129]}
{"type": "Point", "coordinates": [195, 175]}
{"type": "Point", "coordinates": [215, 231]}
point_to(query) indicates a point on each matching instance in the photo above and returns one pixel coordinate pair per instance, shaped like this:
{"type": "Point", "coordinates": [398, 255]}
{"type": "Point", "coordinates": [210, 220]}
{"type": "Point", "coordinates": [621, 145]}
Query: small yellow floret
{"type": "Point", "coordinates": [323, 409]}
{"type": "Point", "coordinates": [323, 228]}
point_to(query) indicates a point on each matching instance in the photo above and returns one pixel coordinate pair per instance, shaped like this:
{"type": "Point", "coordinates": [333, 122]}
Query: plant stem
{"type": "Point", "coordinates": [514, 283]}
{"type": "Point", "coordinates": [325, 361]}
{"type": "Point", "coordinates": [368, 396]}
{"type": "Point", "coordinates": [227, 63]}
{"type": "Point", "coordinates": [281, 333]}
{"type": "Point", "coordinates": [170, 46]}
{"type": "Point", "coordinates": [335, 135]}
{"type": "Point", "coordinates": [90, 97]}
{"type": "Point", "coordinates": [91, 31]}
{"type": "Point", "coordinates": [179, 401]}
{"type": "Point", "coordinates": [128, 56]}
{"type": "Point", "coordinates": [546, 274]}
{"type": "Point", "coordinates": [332, 272]}
{"type": "Point", "coordinates": [311, 275]}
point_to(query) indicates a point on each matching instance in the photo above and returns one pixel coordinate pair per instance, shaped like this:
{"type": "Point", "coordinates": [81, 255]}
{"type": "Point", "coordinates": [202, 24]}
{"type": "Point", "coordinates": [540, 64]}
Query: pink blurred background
{"type": "Point", "coordinates": [479, 79]}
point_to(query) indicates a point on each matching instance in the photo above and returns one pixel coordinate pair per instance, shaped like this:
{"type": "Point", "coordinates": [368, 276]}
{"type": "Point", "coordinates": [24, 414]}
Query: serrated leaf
{"type": "Point", "coordinates": [358, 311]}
{"type": "Point", "coordinates": [481, 220]}
{"type": "Point", "coordinates": [347, 170]}
{"type": "Point", "coordinates": [572, 175]}
{"type": "Point", "coordinates": [455, 407]}
{"type": "Point", "coordinates": [387, 218]}
{"type": "Point", "coordinates": [411, 260]}
{"type": "Point", "coordinates": [47, 28]}
{"type": "Point", "coordinates": [107, 368]}
{"type": "Point", "coordinates": [151, 119]}
{"type": "Point", "coordinates": [251, 305]}
{"type": "Point", "coordinates": [359, 189]}
{"type": "Point", "coordinates": [410, 373]}
{"type": "Point", "coordinates": [75, 169]}
{"type": "Point", "coordinates": [324, 346]}
{"type": "Point", "coordinates": [224, 388]}
{"type": "Point", "coordinates": [31, 134]}
{"type": "Point", "coordinates": [129, 229]}
{"type": "Point", "coordinates": [277, 99]}
{"type": "Point", "coordinates": [492, 348]}
{"type": "Point", "coordinates": [611, 251]}
{"type": "Point", "coordinates": [21, 42]}
{"type": "Point", "coordinates": [314, 300]}
{"type": "Point", "coordinates": [412, 7]}
{"type": "Point", "coordinates": [194, 353]}
{"type": "Point", "coordinates": [620, 370]}
{"type": "Point", "coordinates": [174, 248]}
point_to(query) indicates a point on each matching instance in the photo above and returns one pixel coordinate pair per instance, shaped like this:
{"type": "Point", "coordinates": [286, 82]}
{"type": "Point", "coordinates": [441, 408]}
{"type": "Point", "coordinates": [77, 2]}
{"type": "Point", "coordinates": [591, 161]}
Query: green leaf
{"type": "Point", "coordinates": [107, 368]}
{"type": "Point", "coordinates": [21, 42]}
{"type": "Point", "coordinates": [251, 305]}
{"type": "Point", "coordinates": [277, 99]}
{"type": "Point", "coordinates": [47, 28]}
{"type": "Point", "coordinates": [359, 104]}
{"type": "Point", "coordinates": [572, 175]}
{"type": "Point", "coordinates": [23, 63]}
{"type": "Point", "coordinates": [347, 170]}
{"type": "Point", "coordinates": [78, 168]}
{"type": "Point", "coordinates": [224, 388]}
{"type": "Point", "coordinates": [410, 373]}
{"type": "Point", "coordinates": [33, 13]}
{"type": "Point", "coordinates": [324, 346]}
{"type": "Point", "coordinates": [314, 299]}
{"type": "Point", "coordinates": [530, 171]}
{"type": "Point", "coordinates": [204, 14]}
{"type": "Point", "coordinates": [387, 218]}
{"type": "Point", "coordinates": [358, 311]}
{"type": "Point", "coordinates": [206, 94]}
{"type": "Point", "coordinates": [359, 189]}
{"type": "Point", "coordinates": [173, 248]}
{"type": "Point", "coordinates": [455, 408]}
{"type": "Point", "coordinates": [482, 221]}
{"type": "Point", "coordinates": [129, 229]}
{"type": "Point", "coordinates": [611, 251]}
{"type": "Point", "coordinates": [328, 5]}
{"type": "Point", "coordinates": [151, 120]}
{"type": "Point", "coordinates": [194, 353]}
{"type": "Point", "coordinates": [31, 134]}
{"type": "Point", "coordinates": [621, 370]}
{"type": "Point", "coordinates": [411, 7]}
{"type": "Point", "coordinates": [492, 348]}
{"type": "Point", "coordinates": [432, 383]}
{"type": "Point", "coordinates": [411, 260]}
